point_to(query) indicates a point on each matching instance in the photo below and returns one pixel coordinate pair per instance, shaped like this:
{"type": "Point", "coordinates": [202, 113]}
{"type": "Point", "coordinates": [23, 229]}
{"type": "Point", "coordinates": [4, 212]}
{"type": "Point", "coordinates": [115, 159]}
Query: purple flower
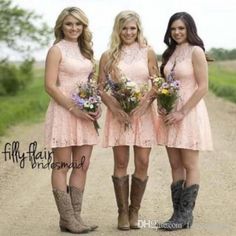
{"type": "Point", "coordinates": [165, 85]}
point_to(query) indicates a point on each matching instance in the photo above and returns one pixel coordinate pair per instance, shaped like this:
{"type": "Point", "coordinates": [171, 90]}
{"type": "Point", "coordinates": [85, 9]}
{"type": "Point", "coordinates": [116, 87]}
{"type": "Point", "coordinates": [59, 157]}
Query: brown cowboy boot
{"type": "Point", "coordinates": [76, 200]}
{"type": "Point", "coordinates": [137, 190]}
{"type": "Point", "coordinates": [121, 187]}
{"type": "Point", "coordinates": [67, 221]}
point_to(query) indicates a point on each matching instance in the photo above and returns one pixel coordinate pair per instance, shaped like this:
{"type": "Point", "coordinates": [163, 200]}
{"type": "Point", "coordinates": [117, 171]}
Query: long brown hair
{"type": "Point", "coordinates": [192, 37]}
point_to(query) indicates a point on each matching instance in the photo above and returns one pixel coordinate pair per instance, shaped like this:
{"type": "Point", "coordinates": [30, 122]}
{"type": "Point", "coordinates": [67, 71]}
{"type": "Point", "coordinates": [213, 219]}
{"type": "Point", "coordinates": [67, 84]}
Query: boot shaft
{"type": "Point", "coordinates": [76, 195]}
{"type": "Point", "coordinates": [187, 201]}
{"type": "Point", "coordinates": [121, 187]}
{"type": "Point", "coordinates": [176, 191]}
{"type": "Point", "coordinates": [138, 187]}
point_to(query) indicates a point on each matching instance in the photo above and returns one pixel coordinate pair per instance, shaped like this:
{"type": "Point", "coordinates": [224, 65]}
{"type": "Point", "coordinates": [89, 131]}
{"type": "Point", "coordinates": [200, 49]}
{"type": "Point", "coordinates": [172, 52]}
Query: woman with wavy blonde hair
{"type": "Point", "coordinates": [69, 62]}
{"type": "Point", "coordinates": [129, 55]}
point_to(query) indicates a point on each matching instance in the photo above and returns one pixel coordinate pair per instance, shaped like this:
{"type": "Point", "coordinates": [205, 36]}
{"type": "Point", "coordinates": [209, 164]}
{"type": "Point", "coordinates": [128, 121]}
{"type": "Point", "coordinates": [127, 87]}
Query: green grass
{"type": "Point", "coordinates": [222, 81]}
{"type": "Point", "coordinates": [26, 106]}
{"type": "Point", "coordinates": [30, 105]}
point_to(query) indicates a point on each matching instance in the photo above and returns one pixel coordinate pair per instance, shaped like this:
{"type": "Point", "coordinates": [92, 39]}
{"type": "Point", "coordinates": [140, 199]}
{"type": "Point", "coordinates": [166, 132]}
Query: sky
{"type": "Point", "coordinates": [215, 20]}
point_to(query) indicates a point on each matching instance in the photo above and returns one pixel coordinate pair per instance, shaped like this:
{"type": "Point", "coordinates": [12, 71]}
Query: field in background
{"type": "Point", "coordinates": [30, 105]}
{"type": "Point", "coordinates": [222, 79]}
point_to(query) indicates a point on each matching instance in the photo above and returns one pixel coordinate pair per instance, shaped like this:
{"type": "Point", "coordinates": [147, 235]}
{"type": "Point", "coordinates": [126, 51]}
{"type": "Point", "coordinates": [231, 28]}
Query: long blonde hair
{"type": "Point", "coordinates": [115, 41]}
{"type": "Point", "coordinates": [85, 39]}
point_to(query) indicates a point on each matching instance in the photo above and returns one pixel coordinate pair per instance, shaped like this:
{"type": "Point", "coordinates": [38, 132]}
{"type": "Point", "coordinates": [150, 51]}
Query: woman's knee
{"type": "Point", "coordinates": [121, 165]}
{"type": "Point", "coordinates": [60, 171]}
{"type": "Point", "coordinates": [142, 163]}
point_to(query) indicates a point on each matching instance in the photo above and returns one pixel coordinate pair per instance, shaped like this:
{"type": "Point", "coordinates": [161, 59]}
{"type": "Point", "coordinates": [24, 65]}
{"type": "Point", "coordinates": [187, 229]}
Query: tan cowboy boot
{"type": "Point", "coordinates": [76, 200]}
{"type": "Point", "coordinates": [137, 190]}
{"type": "Point", "coordinates": [121, 187]}
{"type": "Point", "coordinates": [67, 221]}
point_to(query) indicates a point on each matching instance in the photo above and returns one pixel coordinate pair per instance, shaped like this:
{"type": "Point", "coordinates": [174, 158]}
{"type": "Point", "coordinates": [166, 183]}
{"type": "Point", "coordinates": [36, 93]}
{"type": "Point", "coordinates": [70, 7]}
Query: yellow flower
{"type": "Point", "coordinates": [165, 91]}
{"type": "Point", "coordinates": [82, 94]}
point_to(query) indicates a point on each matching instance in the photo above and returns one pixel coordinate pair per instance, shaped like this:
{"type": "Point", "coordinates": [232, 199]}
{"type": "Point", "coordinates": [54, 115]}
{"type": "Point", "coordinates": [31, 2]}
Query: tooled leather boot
{"type": "Point", "coordinates": [176, 190]}
{"type": "Point", "coordinates": [137, 190]}
{"type": "Point", "coordinates": [68, 222]}
{"type": "Point", "coordinates": [184, 217]}
{"type": "Point", "coordinates": [76, 200]}
{"type": "Point", "coordinates": [121, 187]}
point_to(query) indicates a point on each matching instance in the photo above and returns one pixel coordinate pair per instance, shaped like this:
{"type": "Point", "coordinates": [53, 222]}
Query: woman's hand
{"type": "Point", "coordinates": [161, 111]}
{"type": "Point", "coordinates": [82, 114]}
{"type": "Point", "coordinates": [173, 118]}
{"type": "Point", "coordinates": [121, 115]}
{"type": "Point", "coordinates": [97, 114]}
{"type": "Point", "coordinates": [141, 108]}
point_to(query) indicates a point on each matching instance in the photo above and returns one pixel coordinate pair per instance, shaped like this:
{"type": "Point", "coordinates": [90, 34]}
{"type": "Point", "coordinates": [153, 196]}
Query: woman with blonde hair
{"type": "Point", "coordinates": [69, 131]}
{"type": "Point", "coordinates": [129, 56]}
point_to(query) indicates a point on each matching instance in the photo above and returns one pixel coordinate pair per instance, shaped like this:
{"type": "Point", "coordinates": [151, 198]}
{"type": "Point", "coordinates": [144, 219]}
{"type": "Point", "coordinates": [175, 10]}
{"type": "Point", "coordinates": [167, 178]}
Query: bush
{"type": "Point", "coordinates": [26, 72]}
{"type": "Point", "coordinates": [13, 79]}
{"type": "Point", "coordinates": [9, 83]}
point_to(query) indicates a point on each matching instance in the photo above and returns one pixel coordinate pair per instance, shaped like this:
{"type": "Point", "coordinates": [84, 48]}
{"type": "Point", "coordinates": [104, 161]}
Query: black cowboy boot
{"type": "Point", "coordinates": [176, 190]}
{"type": "Point", "coordinates": [184, 217]}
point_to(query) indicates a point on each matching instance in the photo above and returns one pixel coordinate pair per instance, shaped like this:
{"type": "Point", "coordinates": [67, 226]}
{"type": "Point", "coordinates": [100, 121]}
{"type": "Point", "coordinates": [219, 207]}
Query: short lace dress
{"type": "Point", "coordinates": [134, 64]}
{"type": "Point", "coordinates": [193, 132]}
{"type": "Point", "coordinates": [63, 129]}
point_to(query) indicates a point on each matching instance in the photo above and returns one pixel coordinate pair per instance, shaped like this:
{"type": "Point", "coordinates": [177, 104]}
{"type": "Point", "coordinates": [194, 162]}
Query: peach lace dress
{"type": "Point", "coordinates": [193, 132]}
{"type": "Point", "coordinates": [63, 129]}
{"type": "Point", "coordinates": [134, 64]}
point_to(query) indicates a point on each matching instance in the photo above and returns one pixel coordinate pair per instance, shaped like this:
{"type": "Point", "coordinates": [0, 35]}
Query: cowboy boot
{"type": "Point", "coordinates": [68, 222]}
{"type": "Point", "coordinates": [184, 218]}
{"type": "Point", "coordinates": [121, 187]}
{"type": "Point", "coordinates": [137, 190]}
{"type": "Point", "coordinates": [176, 190]}
{"type": "Point", "coordinates": [76, 200]}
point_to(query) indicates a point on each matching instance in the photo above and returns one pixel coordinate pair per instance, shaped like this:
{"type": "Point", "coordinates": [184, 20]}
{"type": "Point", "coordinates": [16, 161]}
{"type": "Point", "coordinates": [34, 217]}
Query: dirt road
{"type": "Point", "coordinates": [27, 206]}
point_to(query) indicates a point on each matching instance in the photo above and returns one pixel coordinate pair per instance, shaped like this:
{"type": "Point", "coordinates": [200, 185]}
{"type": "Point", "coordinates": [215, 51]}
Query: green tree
{"type": "Point", "coordinates": [221, 54]}
{"type": "Point", "coordinates": [21, 30]}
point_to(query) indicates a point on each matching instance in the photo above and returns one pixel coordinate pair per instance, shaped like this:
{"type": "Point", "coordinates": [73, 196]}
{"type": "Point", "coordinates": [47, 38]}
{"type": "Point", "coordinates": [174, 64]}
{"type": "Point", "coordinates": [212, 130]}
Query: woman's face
{"type": "Point", "coordinates": [178, 32]}
{"type": "Point", "coordinates": [129, 33]}
{"type": "Point", "coordinates": [72, 28]}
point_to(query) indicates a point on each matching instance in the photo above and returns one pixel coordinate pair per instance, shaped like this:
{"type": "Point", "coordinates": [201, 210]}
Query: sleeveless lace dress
{"type": "Point", "coordinates": [134, 64]}
{"type": "Point", "coordinates": [193, 132]}
{"type": "Point", "coordinates": [63, 129]}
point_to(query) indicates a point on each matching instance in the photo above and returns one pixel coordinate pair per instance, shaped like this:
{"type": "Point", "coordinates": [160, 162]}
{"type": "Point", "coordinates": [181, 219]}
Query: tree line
{"type": "Point", "coordinates": [24, 31]}
{"type": "Point", "coordinates": [221, 54]}
{"type": "Point", "coordinates": [21, 31]}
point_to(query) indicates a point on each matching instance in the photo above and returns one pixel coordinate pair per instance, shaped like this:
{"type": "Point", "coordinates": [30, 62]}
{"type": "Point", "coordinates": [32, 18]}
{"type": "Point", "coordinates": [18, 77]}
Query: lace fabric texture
{"type": "Point", "coordinates": [134, 64]}
{"type": "Point", "coordinates": [194, 131]}
{"type": "Point", "coordinates": [63, 129]}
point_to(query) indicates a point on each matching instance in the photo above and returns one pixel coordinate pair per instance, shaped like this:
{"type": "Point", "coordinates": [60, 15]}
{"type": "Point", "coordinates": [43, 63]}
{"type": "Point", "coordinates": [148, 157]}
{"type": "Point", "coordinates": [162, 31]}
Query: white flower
{"type": "Point", "coordinates": [131, 84]}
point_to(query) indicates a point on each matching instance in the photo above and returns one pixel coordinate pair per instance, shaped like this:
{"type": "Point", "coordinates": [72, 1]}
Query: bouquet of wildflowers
{"type": "Point", "coordinates": [126, 92]}
{"type": "Point", "coordinates": [167, 92]}
{"type": "Point", "coordinates": [87, 98]}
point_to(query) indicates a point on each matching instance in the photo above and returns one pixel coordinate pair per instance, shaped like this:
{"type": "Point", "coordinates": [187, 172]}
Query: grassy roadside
{"type": "Point", "coordinates": [28, 105]}
{"type": "Point", "coordinates": [222, 79]}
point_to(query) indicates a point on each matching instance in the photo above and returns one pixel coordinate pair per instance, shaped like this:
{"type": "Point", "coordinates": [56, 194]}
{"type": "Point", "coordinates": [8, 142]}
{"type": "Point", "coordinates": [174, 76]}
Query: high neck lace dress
{"type": "Point", "coordinates": [134, 64]}
{"type": "Point", "coordinates": [63, 129]}
{"type": "Point", "coordinates": [193, 132]}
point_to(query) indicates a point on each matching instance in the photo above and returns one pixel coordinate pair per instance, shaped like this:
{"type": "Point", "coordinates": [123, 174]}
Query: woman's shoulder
{"type": "Point", "coordinates": [197, 50]}
{"type": "Point", "coordinates": [54, 50]}
{"type": "Point", "coordinates": [198, 54]}
{"type": "Point", "coordinates": [105, 55]}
